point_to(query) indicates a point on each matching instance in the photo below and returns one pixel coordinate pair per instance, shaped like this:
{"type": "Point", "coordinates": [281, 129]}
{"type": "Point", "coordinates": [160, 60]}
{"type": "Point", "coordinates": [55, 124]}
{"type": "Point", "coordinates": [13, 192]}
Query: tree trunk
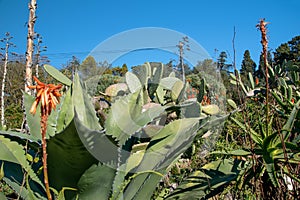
{"type": "Point", "coordinates": [30, 37]}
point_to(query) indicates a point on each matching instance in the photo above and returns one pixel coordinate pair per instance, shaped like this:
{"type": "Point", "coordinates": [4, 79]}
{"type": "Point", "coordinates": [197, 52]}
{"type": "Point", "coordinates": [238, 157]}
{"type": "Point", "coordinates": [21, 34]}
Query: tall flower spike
{"type": "Point", "coordinates": [48, 95]}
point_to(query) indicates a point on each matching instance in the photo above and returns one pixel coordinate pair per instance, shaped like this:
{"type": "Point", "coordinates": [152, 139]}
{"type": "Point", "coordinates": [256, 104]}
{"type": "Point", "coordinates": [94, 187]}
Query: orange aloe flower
{"type": "Point", "coordinates": [47, 94]}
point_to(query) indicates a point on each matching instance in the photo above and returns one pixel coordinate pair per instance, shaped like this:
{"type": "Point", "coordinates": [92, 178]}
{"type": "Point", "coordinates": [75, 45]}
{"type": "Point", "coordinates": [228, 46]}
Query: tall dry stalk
{"type": "Point", "coordinates": [30, 39]}
{"type": "Point", "coordinates": [7, 45]}
{"type": "Point", "coordinates": [48, 95]}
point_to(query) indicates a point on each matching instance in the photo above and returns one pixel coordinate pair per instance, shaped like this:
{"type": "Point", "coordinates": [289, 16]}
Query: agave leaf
{"type": "Point", "coordinates": [22, 139]}
{"type": "Point", "coordinates": [13, 152]}
{"type": "Point", "coordinates": [67, 158]}
{"type": "Point", "coordinates": [97, 143]}
{"type": "Point", "coordinates": [96, 182]}
{"type": "Point", "coordinates": [23, 191]}
{"type": "Point", "coordinates": [286, 129]}
{"type": "Point", "coordinates": [57, 75]}
{"type": "Point", "coordinates": [83, 106]}
{"type": "Point", "coordinates": [66, 113]}
{"type": "Point", "coordinates": [163, 149]}
{"type": "Point", "coordinates": [33, 121]}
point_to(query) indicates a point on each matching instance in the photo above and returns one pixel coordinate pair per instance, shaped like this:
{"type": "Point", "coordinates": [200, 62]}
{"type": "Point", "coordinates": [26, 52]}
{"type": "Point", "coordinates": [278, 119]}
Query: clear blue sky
{"type": "Point", "coordinates": [76, 27]}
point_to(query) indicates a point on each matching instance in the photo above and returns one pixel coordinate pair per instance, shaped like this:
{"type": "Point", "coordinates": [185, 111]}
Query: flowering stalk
{"type": "Point", "coordinates": [48, 95]}
{"type": "Point", "coordinates": [262, 26]}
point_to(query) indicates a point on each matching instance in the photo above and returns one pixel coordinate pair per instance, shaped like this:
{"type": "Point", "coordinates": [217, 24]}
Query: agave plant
{"type": "Point", "coordinates": [125, 159]}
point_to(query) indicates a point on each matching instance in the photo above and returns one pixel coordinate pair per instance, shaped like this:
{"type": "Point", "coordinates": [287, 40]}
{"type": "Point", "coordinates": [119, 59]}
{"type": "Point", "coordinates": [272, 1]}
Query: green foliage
{"type": "Point", "coordinates": [57, 75]}
{"type": "Point", "coordinates": [77, 145]}
{"type": "Point", "coordinates": [210, 180]}
{"type": "Point", "coordinates": [288, 51]}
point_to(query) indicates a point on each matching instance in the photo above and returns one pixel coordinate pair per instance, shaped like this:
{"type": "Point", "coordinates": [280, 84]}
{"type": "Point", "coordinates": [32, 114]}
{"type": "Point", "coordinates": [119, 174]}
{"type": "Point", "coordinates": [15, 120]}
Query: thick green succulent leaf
{"type": "Point", "coordinates": [120, 122]}
{"type": "Point", "coordinates": [66, 113]}
{"type": "Point", "coordinates": [22, 139]}
{"type": "Point", "coordinates": [126, 117]}
{"type": "Point", "coordinates": [163, 149]}
{"type": "Point", "coordinates": [33, 121]}
{"type": "Point", "coordinates": [143, 73]}
{"type": "Point", "coordinates": [13, 152]}
{"type": "Point", "coordinates": [267, 148]}
{"type": "Point", "coordinates": [57, 75]}
{"type": "Point", "coordinates": [251, 80]}
{"type": "Point", "coordinates": [53, 120]}
{"type": "Point", "coordinates": [189, 109]}
{"type": "Point", "coordinates": [173, 84]}
{"type": "Point", "coordinates": [211, 109]}
{"type": "Point", "coordinates": [67, 158]}
{"type": "Point", "coordinates": [24, 192]}
{"type": "Point", "coordinates": [83, 106]}
{"type": "Point", "coordinates": [133, 82]}
{"type": "Point", "coordinates": [286, 129]}
{"type": "Point", "coordinates": [232, 103]}
{"type": "Point", "coordinates": [209, 181]}
{"type": "Point", "coordinates": [155, 79]}
{"type": "Point", "coordinates": [96, 182]}
{"type": "Point", "coordinates": [97, 143]}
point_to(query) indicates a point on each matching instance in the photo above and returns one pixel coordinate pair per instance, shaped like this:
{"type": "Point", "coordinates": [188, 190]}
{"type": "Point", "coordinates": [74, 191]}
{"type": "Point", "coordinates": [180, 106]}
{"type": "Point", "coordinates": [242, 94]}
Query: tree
{"type": "Point", "coordinates": [13, 92]}
{"type": "Point", "coordinates": [88, 67]}
{"type": "Point", "coordinates": [288, 51]}
{"type": "Point", "coordinates": [119, 71]}
{"type": "Point", "coordinates": [206, 66]}
{"type": "Point", "coordinates": [70, 68]}
{"type": "Point", "coordinates": [222, 65]}
{"type": "Point", "coordinates": [248, 65]}
{"type": "Point", "coordinates": [8, 44]}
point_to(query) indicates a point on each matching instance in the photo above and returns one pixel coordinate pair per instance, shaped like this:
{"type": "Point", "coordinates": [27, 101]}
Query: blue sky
{"type": "Point", "coordinates": [76, 27]}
